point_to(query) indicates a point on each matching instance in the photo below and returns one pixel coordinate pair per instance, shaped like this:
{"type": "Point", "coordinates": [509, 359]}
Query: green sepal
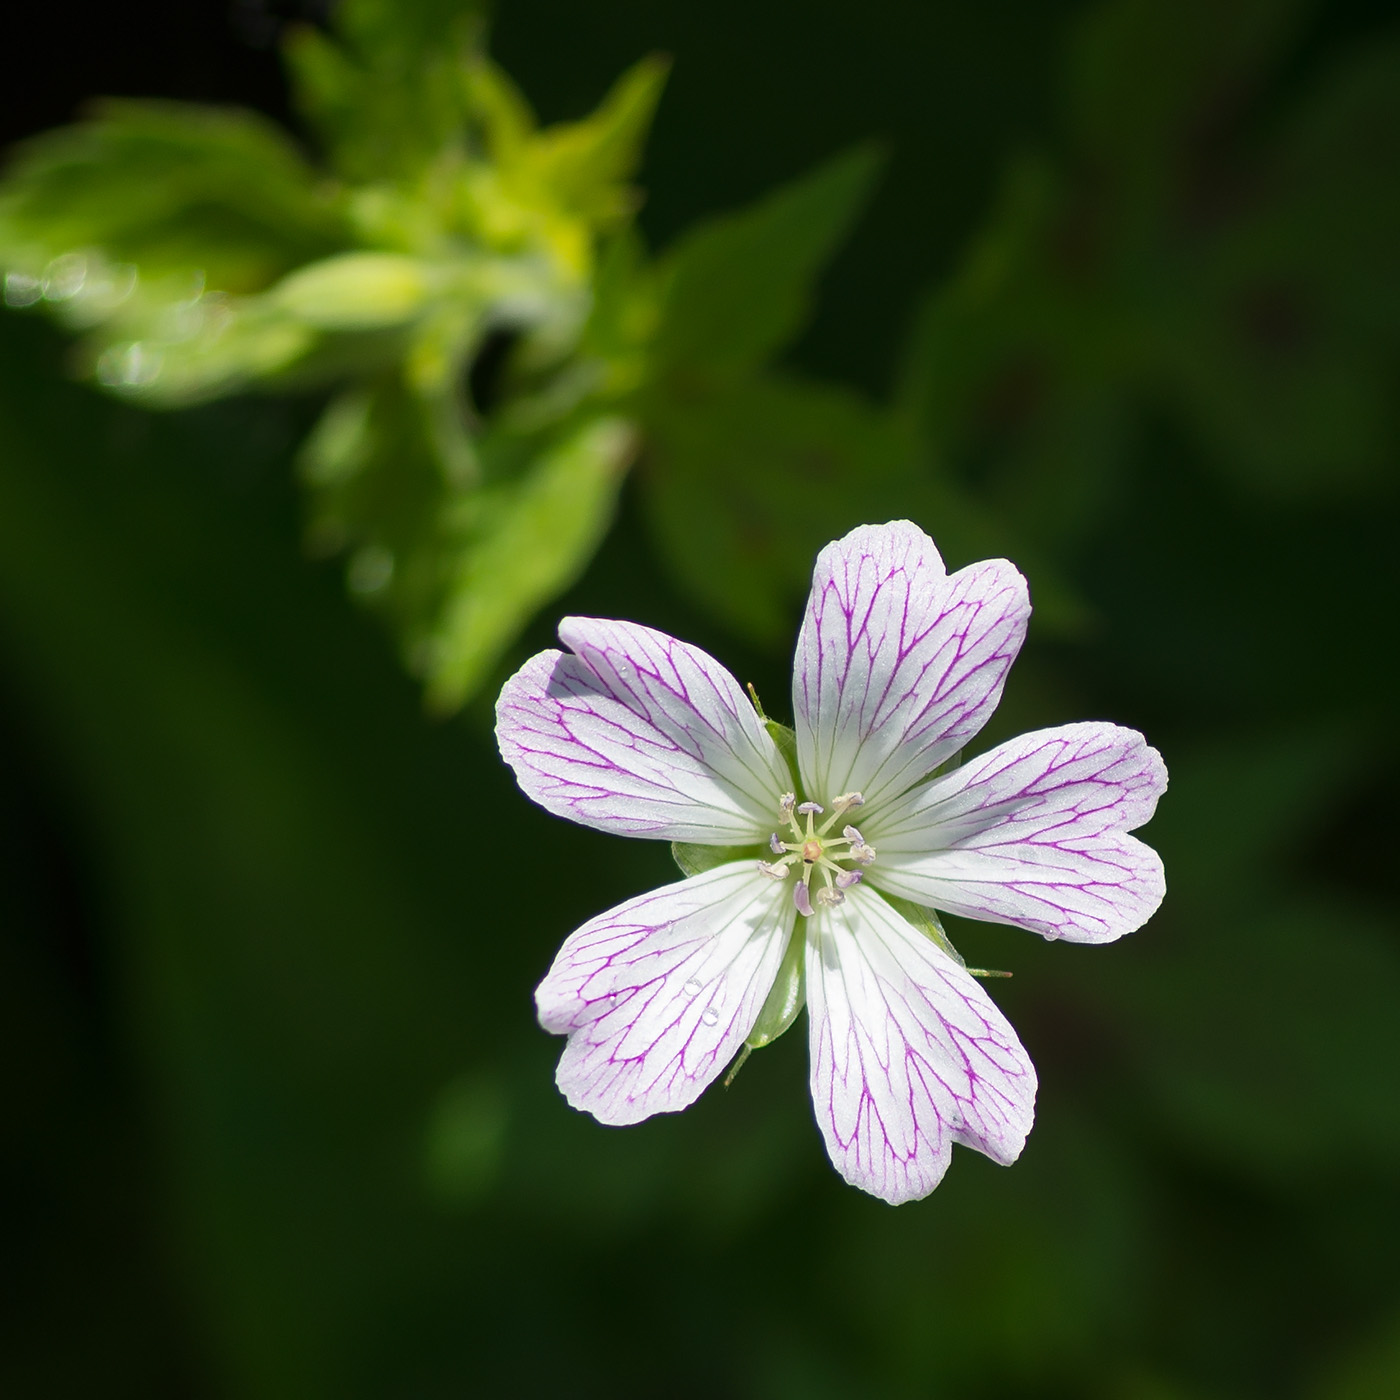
{"type": "Point", "coordinates": [786, 740]}
{"type": "Point", "coordinates": [782, 736]}
{"type": "Point", "coordinates": [931, 926]}
{"type": "Point", "coordinates": [946, 766]}
{"type": "Point", "coordinates": [926, 921]}
{"type": "Point", "coordinates": [787, 997]}
{"type": "Point", "coordinates": [696, 860]}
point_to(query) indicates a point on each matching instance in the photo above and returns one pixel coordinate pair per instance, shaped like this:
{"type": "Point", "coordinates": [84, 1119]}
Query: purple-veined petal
{"type": "Point", "coordinates": [1033, 834]}
{"type": "Point", "coordinates": [659, 994]}
{"type": "Point", "coordinates": [909, 1054]}
{"type": "Point", "coordinates": [898, 663]}
{"type": "Point", "coordinates": [641, 735]}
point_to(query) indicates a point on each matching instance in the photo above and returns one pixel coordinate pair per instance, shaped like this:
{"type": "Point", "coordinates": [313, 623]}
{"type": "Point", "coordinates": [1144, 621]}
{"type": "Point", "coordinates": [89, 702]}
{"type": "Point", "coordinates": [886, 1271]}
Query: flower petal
{"type": "Point", "coordinates": [1032, 834]}
{"type": "Point", "coordinates": [657, 995]}
{"type": "Point", "coordinates": [640, 735]}
{"type": "Point", "coordinates": [898, 664]}
{"type": "Point", "coordinates": [909, 1054]}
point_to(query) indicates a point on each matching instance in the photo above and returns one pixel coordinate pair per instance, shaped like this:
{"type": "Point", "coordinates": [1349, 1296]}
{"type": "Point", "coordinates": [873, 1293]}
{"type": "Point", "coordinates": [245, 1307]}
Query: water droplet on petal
{"type": "Point", "coordinates": [710, 1016]}
{"type": "Point", "coordinates": [691, 987]}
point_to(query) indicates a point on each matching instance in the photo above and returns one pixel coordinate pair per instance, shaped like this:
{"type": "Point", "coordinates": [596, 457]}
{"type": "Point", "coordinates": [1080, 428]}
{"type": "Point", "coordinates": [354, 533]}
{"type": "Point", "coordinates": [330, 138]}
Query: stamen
{"type": "Point", "coordinates": [816, 851]}
{"type": "Point", "coordinates": [859, 852]}
{"type": "Point", "coordinates": [841, 805]}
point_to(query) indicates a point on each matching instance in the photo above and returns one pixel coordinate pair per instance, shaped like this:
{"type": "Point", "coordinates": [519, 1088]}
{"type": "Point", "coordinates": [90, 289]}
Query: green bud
{"type": "Point", "coordinates": [356, 291]}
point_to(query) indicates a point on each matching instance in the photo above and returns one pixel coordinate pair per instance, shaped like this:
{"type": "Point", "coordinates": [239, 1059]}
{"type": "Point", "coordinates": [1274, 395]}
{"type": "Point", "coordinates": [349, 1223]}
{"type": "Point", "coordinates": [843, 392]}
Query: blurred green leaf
{"type": "Point", "coordinates": [357, 291]}
{"type": "Point", "coordinates": [209, 350]}
{"type": "Point", "coordinates": [586, 164]}
{"type": "Point", "coordinates": [387, 96]}
{"type": "Point", "coordinates": [458, 567]}
{"type": "Point", "coordinates": [172, 188]}
{"type": "Point", "coordinates": [739, 288]}
{"type": "Point", "coordinates": [745, 484]}
{"type": "Point", "coordinates": [525, 542]}
{"type": "Point", "coordinates": [402, 33]}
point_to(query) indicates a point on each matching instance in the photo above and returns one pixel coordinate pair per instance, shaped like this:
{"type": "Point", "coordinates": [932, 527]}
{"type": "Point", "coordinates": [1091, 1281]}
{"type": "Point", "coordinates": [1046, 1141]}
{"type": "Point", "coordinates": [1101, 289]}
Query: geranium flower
{"type": "Point", "coordinates": [827, 866]}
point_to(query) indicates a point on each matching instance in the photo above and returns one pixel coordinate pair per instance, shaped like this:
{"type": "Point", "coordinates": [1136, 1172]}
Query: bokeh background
{"type": "Point", "coordinates": [277, 1120]}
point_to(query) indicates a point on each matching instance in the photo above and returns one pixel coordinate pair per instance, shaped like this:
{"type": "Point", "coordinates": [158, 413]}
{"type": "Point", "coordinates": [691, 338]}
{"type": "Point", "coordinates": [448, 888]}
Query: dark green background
{"type": "Point", "coordinates": [277, 1121]}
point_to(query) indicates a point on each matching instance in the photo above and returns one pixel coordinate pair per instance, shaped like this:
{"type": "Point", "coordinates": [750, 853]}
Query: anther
{"type": "Point", "coordinates": [775, 871]}
{"type": "Point", "coordinates": [847, 878]}
{"type": "Point", "coordinates": [812, 808]}
{"type": "Point", "coordinates": [841, 805]}
{"type": "Point", "coordinates": [775, 845]}
{"type": "Point", "coordinates": [830, 897]}
{"type": "Point", "coordinates": [859, 852]}
{"type": "Point", "coordinates": [802, 899]}
{"type": "Point", "coordinates": [786, 803]}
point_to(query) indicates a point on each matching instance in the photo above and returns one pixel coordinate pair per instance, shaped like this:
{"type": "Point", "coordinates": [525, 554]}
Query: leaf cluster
{"type": "Point", "coordinates": [456, 275]}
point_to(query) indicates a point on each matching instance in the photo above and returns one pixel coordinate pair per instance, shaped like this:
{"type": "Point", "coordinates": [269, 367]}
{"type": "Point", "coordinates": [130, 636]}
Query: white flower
{"type": "Point", "coordinates": [898, 666]}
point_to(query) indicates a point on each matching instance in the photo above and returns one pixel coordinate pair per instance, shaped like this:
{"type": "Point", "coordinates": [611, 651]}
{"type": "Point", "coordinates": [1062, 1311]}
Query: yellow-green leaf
{"type": "Point", "coordinates": [531, 542]}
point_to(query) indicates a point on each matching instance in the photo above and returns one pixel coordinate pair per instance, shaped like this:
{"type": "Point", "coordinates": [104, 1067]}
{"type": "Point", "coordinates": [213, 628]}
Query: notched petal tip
{"type": "Point", "coordinates": [657, 995]}
{"type": "Point", "coordinates": [639, 734]}
{"type": "Point", "coordinates": [909, 1054]}
{"type": "Point", "coordinates": [898, 664]}
{"type": "Point", "coordinates": [1034, 833]}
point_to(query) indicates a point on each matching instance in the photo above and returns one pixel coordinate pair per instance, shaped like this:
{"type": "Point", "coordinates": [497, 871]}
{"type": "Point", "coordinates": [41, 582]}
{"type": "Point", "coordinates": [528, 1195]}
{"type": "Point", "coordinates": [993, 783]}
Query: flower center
{"type": "Point", "coordinates": [813, 852]}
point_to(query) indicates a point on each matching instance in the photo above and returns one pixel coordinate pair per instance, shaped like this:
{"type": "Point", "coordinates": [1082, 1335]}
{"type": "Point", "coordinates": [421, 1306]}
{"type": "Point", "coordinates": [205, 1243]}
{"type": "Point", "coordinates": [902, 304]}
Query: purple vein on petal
{"type": "Point", "coordinates": [898, 664]}
{"type": "Point", "coordinates": [1033, 833]}
{"type": "Point", "coordinates": [642, 735]}
{"type": "Point", "coordinates": [657, 995]}
{"type": "Point", "coordinates": [909, 1055]}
